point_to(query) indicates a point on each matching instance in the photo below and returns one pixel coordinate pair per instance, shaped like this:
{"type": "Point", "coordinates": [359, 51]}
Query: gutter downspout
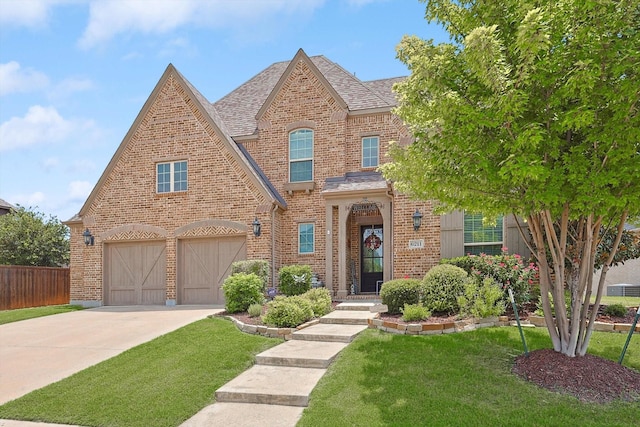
{"type": "Point", "coordinates": [273, 246]}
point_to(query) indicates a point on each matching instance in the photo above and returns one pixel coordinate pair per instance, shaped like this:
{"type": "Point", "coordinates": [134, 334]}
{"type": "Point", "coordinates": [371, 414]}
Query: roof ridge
{"type": "Point", "coordinates": [360, 82]}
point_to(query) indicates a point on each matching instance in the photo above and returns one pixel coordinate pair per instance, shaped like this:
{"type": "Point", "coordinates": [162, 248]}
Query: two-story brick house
{"type": "Point", "coordinates": [283, 168]}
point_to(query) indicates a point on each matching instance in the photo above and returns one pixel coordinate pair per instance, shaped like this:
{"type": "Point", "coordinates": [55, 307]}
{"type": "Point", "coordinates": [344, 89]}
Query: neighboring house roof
{"type": "Point", "coordinates": [6, 206]}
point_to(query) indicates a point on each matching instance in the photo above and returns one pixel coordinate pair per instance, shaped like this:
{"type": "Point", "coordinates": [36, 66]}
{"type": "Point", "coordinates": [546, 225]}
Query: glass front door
{"type": "Point", "coordinates": [371, 258]}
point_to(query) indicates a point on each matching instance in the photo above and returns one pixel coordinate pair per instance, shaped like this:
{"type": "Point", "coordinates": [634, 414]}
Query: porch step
{"type": "Point", "coordinates": [329, 332]}
{"type": "Point", "coordinates": [301, 354]}
{"type": "Point", "coordinates": [348, 317]}
{"type": "Point", "coordinates": [225, 414]}
{"type": "Point", "coordinates": [355, 306]}
{"type": "Point", "coordinates": [272, 385]}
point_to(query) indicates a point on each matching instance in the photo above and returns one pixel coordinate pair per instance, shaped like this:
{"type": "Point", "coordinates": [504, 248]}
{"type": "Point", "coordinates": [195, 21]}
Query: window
{"type": "Point", "coordinates": [370, 152]}
{"type": "Point", "coordinates": [305, 238]}
{"type": "Point", "coordinates": [480, 238]}
{"type": "Point", "coordinates": [171, 177]}
{"type": "Point", "coordinates": [301, 155]}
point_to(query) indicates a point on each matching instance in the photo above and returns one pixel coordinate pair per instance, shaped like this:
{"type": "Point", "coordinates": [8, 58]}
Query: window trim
{"type": "Point", "coordinates": [313, 238]}
{"type": "Point", "coordinates": [306, 159]}
{"type": "Point", "coordinates": [465, 244]}
{"type": "Point", "coordinates": [362, 158]}
{"type": "Point", "coordinates": [172, 181]}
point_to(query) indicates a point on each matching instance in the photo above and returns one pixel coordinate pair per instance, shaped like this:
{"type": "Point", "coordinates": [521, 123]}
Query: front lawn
{"type": "Point", "coordinates": [159, 383]}
{"type": "Point", "coordinates": [8, 316]}
{"type": "Point", "coordinates": [459, 379]}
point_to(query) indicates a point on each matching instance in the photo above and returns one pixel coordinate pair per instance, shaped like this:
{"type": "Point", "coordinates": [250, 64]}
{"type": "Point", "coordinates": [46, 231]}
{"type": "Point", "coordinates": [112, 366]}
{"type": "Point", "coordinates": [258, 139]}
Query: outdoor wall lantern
{"type": "Point", "coordinates": [88, 237]}
{"type": "Point", "coordinates": [256, 227]}
{"type": "Point", "coordinates": [417, 220]}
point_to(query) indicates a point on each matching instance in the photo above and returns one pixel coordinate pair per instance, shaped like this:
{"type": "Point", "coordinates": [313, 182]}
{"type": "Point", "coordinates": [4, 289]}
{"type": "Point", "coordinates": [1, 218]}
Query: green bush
{"type": "Point", "coordinates": [241, 290]}
{"type": "Point", "coordinates": [259, 267]}
{"type": "Point", "coordinates": [288, 312]}
{"type": "Point", "coordinates": [396, 293]}
{"type": "Point", "coordinates": [415, 312]}
{"type": "Point", "coordinates": [481, 299]}
{"type": "Point", "coordinates": [615, 310]}
{"type": "Point", "coordinates": [441, 287]}
{"type": "Point", "coordinates": [255, 310]}
{"type": "Point", "coordinates": [294, 279]}
{"type": "Point", "coordinates": [320, 299]}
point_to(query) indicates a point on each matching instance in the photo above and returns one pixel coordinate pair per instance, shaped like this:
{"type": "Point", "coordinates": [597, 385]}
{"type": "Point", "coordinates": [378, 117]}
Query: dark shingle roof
{"type": "Point", "coordinates": [355, 181]}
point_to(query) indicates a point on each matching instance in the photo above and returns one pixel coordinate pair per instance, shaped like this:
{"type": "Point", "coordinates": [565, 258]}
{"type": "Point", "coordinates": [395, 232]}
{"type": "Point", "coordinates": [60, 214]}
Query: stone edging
{"type": "Point", "coordinates": [471, 324]}
{"type": "Point", "coordinates": [266, 331]}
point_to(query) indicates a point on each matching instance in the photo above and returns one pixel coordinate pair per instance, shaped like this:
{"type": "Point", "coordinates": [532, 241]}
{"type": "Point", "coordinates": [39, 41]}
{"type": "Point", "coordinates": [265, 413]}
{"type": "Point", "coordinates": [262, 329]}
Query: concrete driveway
{"type": "Point", "coordinates": [38, 352]}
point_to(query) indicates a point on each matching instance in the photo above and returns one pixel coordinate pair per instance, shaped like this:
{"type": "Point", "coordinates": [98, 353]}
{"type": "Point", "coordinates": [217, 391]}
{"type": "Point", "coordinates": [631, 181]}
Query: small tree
{"type": "Point", "coordinates": [28, 238]}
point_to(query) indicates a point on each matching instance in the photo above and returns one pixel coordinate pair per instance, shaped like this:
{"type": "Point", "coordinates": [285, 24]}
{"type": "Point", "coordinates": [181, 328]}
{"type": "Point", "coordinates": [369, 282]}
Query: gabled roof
{"type": "Point", "coordinates": [240, 108]}
{"type": "Point", "coordinates": [211, 114]}
{"type": "Point", "coordinates": [6, 205]}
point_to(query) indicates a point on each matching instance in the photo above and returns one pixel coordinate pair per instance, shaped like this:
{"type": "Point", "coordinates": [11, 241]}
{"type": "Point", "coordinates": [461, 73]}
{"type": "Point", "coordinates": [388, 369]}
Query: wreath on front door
{"type": "Point", "coordinates": [373, 242]}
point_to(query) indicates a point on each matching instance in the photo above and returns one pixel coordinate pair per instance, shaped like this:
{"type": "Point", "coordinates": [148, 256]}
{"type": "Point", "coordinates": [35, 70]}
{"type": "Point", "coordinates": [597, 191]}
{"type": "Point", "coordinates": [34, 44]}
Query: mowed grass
{"type": "Point", "coordinates": [626, 301]}
{"type": "Point", "coordinates": [160, 383]}
{"type": "Point", "coordinates": [8, 316]}
{"type": "Point", "coordinates": [461, 379]}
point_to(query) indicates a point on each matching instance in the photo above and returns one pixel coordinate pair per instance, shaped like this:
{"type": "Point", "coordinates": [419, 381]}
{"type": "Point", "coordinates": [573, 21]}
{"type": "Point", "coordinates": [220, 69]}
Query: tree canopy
{"type": "Point", "coordinates": [531, 109]}
{"type": "Point", "coordinates": [28, 238]}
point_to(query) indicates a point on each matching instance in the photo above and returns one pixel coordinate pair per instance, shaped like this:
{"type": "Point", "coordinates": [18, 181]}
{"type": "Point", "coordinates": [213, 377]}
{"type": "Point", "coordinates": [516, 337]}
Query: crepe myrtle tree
{"type": "Point", "coordinates": [532, 108]}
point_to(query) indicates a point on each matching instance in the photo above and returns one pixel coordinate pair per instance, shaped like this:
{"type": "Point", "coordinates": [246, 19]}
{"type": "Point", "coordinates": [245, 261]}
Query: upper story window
{"type": "Point", "coordinates": [301, 155]}
{"type": "Point", "coordinates": [306, 238]}
{"type": "Point", "coordinates": [171, 176]}
{"type": "Point", "coordinates": [480, 238]}
{"type": "Point", "coordinates": [370, 151]}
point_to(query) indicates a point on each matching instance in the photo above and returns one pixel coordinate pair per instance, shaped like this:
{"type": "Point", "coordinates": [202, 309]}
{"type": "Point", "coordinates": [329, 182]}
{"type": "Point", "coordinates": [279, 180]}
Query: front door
{"type": "Point", "coordinates": [371, 258]}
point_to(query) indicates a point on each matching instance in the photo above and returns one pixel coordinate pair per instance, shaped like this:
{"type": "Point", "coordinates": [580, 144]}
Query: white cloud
{"type": "Point", "coordinates": [69, 86]}
{"type": "Point", "coordinates": [28, 13]}
{"type": "Point", "coordinates": [42, 125]}
{"type": "Point", "coordinates": [78, 191]}
{"type": "Point", "coordinates": [13, 78]}
{"type": "Point", "coordinates": [28, 200]}
{"type": "Point", "coordinates": [108, 18]}
{"type": "Point", "coordinates": [50, 163]}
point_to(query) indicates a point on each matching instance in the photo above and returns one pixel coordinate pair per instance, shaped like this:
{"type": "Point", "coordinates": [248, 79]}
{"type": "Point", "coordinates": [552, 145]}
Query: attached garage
{"type": "Point", "coordinates": [203, 264]}
{"type": "Point", "coordinates": [135, 273]}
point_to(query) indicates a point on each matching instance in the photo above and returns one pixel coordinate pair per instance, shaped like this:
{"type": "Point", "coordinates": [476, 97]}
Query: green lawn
{"type": "Point", "coordinates": [8, 316]}
{"type": "Point", "coordinates": [626, 301]}
{"type": "Point", "coordinates": [460, 379]}
{"type": "Point", "coordinates": [159, 383]}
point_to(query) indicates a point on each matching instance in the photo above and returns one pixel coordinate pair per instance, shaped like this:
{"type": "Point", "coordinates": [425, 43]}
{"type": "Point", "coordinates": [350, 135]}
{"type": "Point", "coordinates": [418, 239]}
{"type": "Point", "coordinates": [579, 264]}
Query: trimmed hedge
{"type": "Point", "coordinates": [320, 299]}
{"type": "Point", "coordinates": [241, 290]}
{"type": "Point", "coordinates": [396, 293]}
{"type": "Point", "coordinates": [441, 287]}
{"type": "Point", "coordinates": [294, 279]}
{"type": "Point", "coordinates": [259, 267]}
{"type": "Point", "coordinates": [288, 312]}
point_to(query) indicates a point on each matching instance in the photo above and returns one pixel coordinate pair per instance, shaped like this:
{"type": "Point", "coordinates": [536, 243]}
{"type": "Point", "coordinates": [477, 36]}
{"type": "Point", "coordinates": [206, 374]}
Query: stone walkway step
{"type": "Point", "coordinates": [355, 306]}
{"type": "Point", "coordinates": [329, 332]}
{"type": "Point", "coordinates": [346, 317]}
{"type": "Point", "coordinates": [224, 414]}
{"type": "Point", "coordinates": [272, 385]}
{"type": "Point", "coordinates": [302, 354]}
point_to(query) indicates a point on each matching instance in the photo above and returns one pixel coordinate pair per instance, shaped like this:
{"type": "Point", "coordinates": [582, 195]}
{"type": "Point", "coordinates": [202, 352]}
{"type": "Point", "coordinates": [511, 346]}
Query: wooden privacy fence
{"type": "Point", "coordinates": [23, 286]}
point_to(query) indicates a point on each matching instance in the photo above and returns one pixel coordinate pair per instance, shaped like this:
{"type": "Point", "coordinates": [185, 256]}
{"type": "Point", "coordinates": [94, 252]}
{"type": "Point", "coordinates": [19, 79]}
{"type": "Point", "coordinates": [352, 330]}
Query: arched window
{"type": "Point", "coordinates": [301, 155]}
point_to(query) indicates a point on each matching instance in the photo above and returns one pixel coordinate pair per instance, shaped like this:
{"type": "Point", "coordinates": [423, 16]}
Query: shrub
{"type": "Point", "coordinates": [507, 270]}
{"type": "Point", "coordinates": [320, 299]}
{"type": "Point", "coordinates": [396, 293]}
{"type": "Point", "coordinates": [294, 279]}
{"type": "Point", "coordinates": [482, 299]}
{"type": "Point", "coordinates": [241, 290]}
{"type": "Point", "coordinates": [615, 310]}
{"type": "Point", "coordinates": [259, 267]}
{"type": "Point", "coordinates": [255, 310]}
{"type": "Point", "coordinates": [288, 312]}
{"type": "Point", "coordinates": [441, 287]}
{"type": "Point", "coordinates": [414, 312]}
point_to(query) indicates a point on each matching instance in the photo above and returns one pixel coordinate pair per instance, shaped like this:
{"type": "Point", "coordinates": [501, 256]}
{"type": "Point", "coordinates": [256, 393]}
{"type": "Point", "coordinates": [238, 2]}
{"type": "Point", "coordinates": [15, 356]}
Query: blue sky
{"type": "Point", "coordinates": [74, 74]}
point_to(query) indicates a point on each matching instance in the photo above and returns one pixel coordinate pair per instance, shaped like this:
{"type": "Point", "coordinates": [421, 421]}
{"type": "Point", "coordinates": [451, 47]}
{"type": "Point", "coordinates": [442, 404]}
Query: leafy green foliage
{"type": "Point", "coordinates": [28, 238]}
{"type": "Point", "coordinates": [241, 290]}
{"type": "Point", "coordinates": [294, 279]}
{"type": "Point", "coordinates": [255, 310]}
{"type": "Point", "coordinates": [320, 299]}
{"type": "Point", "coordinates": [531, 111]}
{"type": "Point", "coordinates": [510, 271]}
{"type": "Point", "coordinates": [288, 312]}
{"type": "Point", "coordinates": [441, 287]}
{"type": "Point", "coordinates": [259, 267]}
{"type": "Point", "coordinates": [415, 312]}
{"type": "Point", "coordinates": [396, 293]}
{"type": "Point", "coordinates": [482, 298]}
{"type": "Point", "coordinates": [628, 248]}
{"type": "Point", "coordinates": [616, 310]}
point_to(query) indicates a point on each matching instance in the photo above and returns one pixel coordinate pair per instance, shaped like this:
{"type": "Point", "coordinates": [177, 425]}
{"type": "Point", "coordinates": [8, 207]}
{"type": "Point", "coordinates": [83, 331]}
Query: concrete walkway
{"type": "Point", "coordinates": [275, 391]}
{"type": "Point", "coordinates": [41, 351]}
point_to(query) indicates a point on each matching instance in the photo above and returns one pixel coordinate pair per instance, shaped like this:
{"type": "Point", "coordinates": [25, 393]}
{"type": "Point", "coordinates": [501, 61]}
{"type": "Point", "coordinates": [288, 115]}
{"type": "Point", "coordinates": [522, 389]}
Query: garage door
{"type": "Point", "coordinates": [203, 264]}
{"type": "Point", "coordinates": [135, 273]}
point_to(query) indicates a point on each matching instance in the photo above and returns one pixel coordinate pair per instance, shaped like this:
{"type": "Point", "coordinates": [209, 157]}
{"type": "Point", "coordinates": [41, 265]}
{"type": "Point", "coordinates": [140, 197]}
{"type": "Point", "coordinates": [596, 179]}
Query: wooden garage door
{"type": "Point", "coordinates": [203, 264]}
{"type": "Point", "coordinates": [135, 273]}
